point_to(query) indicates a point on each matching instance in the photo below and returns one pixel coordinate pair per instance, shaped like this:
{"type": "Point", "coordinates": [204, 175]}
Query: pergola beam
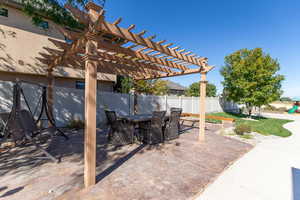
{"type": "Point", "coordinates": [111, 65]}
{"type": "Point", "coordinates": [122, 50]}
{"type": "Point", "coordinates": [76, 45]}
{"type": "Point", "coordinates": [190, 71]}
{"type": "Point", "coordinates": [119, 59]}
{"type": "Point", "coordinates": [123, 60]}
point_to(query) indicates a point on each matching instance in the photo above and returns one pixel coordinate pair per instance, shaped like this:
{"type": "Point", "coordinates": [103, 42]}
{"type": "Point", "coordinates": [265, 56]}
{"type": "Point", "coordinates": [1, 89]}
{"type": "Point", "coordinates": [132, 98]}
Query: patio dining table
{"type": "Point", "coordinates": [136, 120]}
{"type": "Point", "coordinates": [140, 118]}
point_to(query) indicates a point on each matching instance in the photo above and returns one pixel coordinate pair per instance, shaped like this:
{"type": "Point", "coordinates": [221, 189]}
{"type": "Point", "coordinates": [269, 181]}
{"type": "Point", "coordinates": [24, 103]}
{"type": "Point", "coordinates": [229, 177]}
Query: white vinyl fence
{"type": "Point", "coordinates": [146, 104]}
{"type": "Point", "coordinates": [69, 103]}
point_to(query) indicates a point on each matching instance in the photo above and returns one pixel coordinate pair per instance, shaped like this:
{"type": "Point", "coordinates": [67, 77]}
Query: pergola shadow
{"type": "Point", "coordinates": [118, 163]}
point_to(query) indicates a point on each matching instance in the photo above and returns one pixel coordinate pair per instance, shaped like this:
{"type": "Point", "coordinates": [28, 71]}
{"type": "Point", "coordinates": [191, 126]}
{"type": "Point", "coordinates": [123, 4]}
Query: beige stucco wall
{"type": "Point", "coordinates": [106, 86]}
{"type": "Point", "coordinates": [21, 42]}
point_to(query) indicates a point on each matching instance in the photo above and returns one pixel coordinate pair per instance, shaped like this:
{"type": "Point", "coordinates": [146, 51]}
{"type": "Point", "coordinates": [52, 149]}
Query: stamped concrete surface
{"type": "Point", "coordinates": [176, 170]}
{"type": "Point", "coordinates": [271, 171]}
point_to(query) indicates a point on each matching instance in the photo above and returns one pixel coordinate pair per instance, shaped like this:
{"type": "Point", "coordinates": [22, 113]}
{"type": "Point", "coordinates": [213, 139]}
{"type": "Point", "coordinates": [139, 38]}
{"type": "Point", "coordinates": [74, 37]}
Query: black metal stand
{"type": "Point", "coordinates": [13, 126]}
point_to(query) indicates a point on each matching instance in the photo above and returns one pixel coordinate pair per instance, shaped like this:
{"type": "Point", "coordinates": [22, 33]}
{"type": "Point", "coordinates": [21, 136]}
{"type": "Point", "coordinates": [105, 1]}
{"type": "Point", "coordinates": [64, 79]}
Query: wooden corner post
{"type": "Point", "coordinates": [90, 118]}
{"type": "Point", "coordinates": [202, 100]}
{"type": "Point", "coordinates": [90, 102]}
{"type": "Point", "coordinates": [50, 87]}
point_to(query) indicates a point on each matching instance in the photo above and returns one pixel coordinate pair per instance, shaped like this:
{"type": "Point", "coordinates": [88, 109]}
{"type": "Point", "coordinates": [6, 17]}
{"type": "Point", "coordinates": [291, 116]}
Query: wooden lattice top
{"type": "Point", "coordinates": [118, 50]}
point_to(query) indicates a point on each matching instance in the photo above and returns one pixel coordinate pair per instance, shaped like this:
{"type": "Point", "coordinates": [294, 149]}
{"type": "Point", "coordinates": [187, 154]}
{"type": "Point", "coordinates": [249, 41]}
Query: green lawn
{"type": "Point", "coordinates": [265, 126]}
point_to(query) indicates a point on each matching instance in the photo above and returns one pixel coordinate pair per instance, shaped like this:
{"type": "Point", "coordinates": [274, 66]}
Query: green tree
{"type": "Point", "coordinates": [152, 87]}
{"type": "Point", "coordinates": [160, 87]}
{"type": "Point", "coordinates": [124, 84]}
{"type": "Point", "coordinates": [250, 78]}
{"type": "Point", "coordinates": [143, 87]}
{"type": "Point", "coordinates": [194, 90]}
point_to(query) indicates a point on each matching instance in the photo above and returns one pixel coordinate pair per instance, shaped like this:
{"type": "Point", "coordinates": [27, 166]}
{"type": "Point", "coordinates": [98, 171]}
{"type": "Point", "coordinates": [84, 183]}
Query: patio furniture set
{"type": "Point", "coordinates": [150, 129]}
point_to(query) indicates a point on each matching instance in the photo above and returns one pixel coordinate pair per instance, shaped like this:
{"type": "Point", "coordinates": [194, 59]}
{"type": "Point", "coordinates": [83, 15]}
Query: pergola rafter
{"type": "Point", "coordinates": [121, 50]}
{"type": "Point", "coordinates": [107, 48]}
{"type": "Point", "coordinates": [126, 34]}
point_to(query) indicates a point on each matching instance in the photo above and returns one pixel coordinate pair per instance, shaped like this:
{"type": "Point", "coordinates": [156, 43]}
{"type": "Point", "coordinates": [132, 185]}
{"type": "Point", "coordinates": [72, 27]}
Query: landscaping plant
{"type": "Point", "coordinates": [241, 129]}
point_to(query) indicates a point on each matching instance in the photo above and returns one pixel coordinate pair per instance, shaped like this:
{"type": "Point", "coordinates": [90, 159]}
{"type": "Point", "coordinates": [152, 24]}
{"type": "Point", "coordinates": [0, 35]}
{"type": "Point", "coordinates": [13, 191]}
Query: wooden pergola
{"type": "Point", "coordinates": [107, 48]}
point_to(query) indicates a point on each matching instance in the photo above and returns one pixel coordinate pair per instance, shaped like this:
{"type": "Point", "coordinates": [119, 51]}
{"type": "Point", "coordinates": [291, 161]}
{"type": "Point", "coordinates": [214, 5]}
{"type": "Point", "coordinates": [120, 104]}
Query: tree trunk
{"type": "Point", "coordinates": [249, 108]}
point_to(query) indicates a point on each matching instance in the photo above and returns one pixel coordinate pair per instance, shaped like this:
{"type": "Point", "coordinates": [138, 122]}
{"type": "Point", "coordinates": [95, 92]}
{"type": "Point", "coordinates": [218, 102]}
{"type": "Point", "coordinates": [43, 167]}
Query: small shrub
{"type": "Point", "coordinates": [76, 124]}
{"type": "Point", "coordinates": [242, 129]}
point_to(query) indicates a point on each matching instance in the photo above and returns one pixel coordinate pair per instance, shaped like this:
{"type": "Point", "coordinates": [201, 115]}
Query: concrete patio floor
{"type": "Point", "coordinates": [175, 170]}
{"type": "Point", "coordinates": [271, 171]}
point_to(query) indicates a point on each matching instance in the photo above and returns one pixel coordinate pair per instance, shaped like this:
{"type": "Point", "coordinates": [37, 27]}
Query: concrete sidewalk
{"type": "Point", "coordinates": [271, 171]}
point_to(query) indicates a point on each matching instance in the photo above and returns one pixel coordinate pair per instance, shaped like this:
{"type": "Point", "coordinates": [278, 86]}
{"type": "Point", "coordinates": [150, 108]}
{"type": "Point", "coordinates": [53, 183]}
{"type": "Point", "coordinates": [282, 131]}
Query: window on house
{"type": "Point", "coordinates": [80, 85]}
{"type": "Point", "coordinates": [44, 24]}
{"type": "Point", "coordinates": [3, 12]}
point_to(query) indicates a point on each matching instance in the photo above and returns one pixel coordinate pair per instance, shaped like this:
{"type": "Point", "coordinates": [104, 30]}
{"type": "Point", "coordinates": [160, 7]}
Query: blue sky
{"type": "Point", "coordinates": [216, 28]}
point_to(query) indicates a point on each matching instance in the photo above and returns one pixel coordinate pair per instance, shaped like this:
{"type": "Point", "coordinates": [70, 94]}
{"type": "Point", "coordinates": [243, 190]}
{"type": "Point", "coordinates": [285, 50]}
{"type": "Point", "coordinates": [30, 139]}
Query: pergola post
{"type": "Point", "coordinates": [50, 98]}
{"type": "Point", "coordinates": [90, 115]}
{"type": "Point", "coordinates": [91, 63]}
{"type": "Point", "coordinates": [202, 98]}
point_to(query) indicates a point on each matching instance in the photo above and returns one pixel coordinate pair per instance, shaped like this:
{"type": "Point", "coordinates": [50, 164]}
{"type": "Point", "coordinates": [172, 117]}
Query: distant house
{"type": "Point", "coordinates": [175, 88]}
{"type": "Point", "coordinates": [21, 42]}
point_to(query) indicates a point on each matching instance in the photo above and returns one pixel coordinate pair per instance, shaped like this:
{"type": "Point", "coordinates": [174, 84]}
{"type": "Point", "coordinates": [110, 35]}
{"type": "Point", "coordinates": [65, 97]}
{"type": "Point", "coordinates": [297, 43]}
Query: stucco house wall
{"type": "Point", "coordinates": [20, 44]}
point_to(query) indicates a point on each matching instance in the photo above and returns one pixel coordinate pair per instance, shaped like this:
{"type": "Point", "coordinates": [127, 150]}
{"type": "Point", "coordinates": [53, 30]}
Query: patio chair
{"type": "Point", "coordinates": [172, 128]}
{"type": "Point", "coordinates": [176, 109]}
{"type": "Point", "coordinates": [3, 119]}
{"type": "Point", "coordinates": [121, 132]}
{"type": "Point", "coordinates": [23, 128]}
{"type": "Point", "coordinates": [179, 110]}
{"type": "Point", "coordinates": [152, 132]}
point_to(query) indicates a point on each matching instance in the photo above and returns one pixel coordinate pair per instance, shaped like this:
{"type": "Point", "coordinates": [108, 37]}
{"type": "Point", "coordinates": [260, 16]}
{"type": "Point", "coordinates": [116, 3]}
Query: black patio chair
{"type": "Point", "coordinates": [172, 128]}
{"type": "Point", "coordinates": [176, 109]}
{"type": "Point", "coordinates": [121, 132]}
{"type": "Point", "coordinates": [152, 131]}
{"type": "Point", "coordinates": [179, 110]}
